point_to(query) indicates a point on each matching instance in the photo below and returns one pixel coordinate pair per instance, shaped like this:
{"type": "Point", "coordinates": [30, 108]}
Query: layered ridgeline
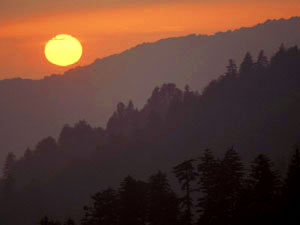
{"type": "Point", "coordinates": [254, 108]}
{"type": "Point", "coordinates": [32, 109]}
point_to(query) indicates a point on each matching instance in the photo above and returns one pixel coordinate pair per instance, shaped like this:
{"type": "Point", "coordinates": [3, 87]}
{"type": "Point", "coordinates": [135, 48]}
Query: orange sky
{"type": "Point", "coordinates": [108, 30]}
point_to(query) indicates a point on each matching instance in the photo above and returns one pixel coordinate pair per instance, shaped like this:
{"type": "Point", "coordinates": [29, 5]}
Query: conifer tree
{"type": "Point", "coordinates": [28, 154]}
{"type": "Point", "coordinates": [208, 173]}
{"type": "Point", "coordinates": [262, 63]}
{"type": "Point", "coordinates": [162, 203]}
{"type": "Point", "coordinates": [230, 184]}
{"type": "Point", "coordinates": [9, 164]}
{"type": "Point", "coordinates": [292, 188]}
{"type": "Point", "coordinates": [263, 206]}
{"type": "Point", "coordinates": [292, 182]}
{"type": "Point", "coordinates": [8, 177]}
{"type": "Point", "coordinates": [185, 173]}
{"type": "Point", "coordinates": [104, 210]}
{"type": "Point", "coordinates": [246, 66]}
{"type": "Point", "coordinates": [133, 202]}
{"type": "Point", "coordinates": [263, 180]}
{"type": "Point", "coordinates": [231, 69]}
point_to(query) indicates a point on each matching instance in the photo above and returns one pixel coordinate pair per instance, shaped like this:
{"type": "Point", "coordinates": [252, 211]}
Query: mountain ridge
{"type": "Point", "coordinates": [192, 35]}
{"type": "Point", "coordinates": [34, 109]}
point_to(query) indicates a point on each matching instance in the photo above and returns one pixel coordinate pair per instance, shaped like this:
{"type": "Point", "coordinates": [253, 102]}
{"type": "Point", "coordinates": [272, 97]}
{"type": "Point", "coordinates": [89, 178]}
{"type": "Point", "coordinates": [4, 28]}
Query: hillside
{"type": "Point", "coordinates": [254, 108]}
{"type": "Point", "coordinates": [33, 109]}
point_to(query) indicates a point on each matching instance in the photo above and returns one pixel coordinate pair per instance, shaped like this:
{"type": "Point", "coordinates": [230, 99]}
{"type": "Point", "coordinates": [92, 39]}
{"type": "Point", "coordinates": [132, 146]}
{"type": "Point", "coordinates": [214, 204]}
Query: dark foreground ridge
{"type": "Point", "coordinates": [224, 193]}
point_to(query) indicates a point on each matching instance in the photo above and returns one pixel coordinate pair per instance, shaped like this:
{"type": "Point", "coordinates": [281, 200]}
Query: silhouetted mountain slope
{"type": "Point", "coordinates": [33, 109]}
{"type": "Point", "coordinates": [255, 108]}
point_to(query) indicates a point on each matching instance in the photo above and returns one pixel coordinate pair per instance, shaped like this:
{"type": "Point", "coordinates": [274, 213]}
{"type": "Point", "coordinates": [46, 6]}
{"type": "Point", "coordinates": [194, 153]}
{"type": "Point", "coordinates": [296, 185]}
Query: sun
{"type": "Point", "coordinates": [63, 50]}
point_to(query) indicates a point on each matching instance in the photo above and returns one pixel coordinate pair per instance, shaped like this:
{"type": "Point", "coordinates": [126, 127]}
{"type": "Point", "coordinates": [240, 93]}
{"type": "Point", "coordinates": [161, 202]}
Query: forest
{"type": "Point", "coordinates": [214, 191]}
{"type": "Point", "coordinates": [253, 110]}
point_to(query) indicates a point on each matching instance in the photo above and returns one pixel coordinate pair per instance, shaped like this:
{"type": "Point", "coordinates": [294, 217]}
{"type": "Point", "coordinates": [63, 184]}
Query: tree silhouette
{"type": "Point", "coordinates": [28, 154]}
{"type": "Point", "coordinates": [163, 203]}
{"type": "Point", "coordinates": [230, 181]}
{"type": "Point", "coordinates": [262, 63]}
{"type": "Point", "coordinates": [277, 58]}
{"type": "Point", "coordinates": [185, 173]}
{"type": "Point", "coordinates": [208, 169]}
{"type": "Point", "coordinates": [105, 209]}
{"type": "Point", "coordinates": [133, 202]}
{"type": "Point", "coordinates": [292, 187]}
{"type": "Point", "coordinates": [263, 179]}
{"type": "Point", "coordinates": [246, 66]}
{"type": "Point", "coordinates": [264, 186]}
{"type": "Point", "coordinates": [231, 69]}
{"type": "Point", "coordinates": [9, 164]}
{"type": "Point", "coordinates": [8, 177]}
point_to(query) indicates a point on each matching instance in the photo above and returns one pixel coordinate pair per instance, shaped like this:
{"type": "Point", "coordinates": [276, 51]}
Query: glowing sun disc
{"type": "Point", "coordinates": [63, 50]}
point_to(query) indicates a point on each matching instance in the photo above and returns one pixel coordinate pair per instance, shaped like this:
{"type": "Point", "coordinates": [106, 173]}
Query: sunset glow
{"type": "Point", "coordinates": [110, 30]}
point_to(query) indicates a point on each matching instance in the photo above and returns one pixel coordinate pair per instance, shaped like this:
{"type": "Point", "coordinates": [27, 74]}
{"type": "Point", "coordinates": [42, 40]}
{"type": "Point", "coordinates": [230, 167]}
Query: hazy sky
{"type": "Point", "coordinates": [109, 26]}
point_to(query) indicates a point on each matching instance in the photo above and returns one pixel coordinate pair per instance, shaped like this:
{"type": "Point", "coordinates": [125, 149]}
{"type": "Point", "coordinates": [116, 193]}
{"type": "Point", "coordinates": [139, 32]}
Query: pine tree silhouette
{"type": "Point", "coordinates": [105, 209]}
{"type": "Point", "coordinates": [208, 169]}
{"type": "Point", "coordinates": [231, 69]}
{"type": "Point", "coordinates": [261, 64]}
{"type": "Point", "coordinates": [264, 186]}
{"type": "Point", "coordinates": [263, 179]}
{"type": "Point", "coordinates": [292, 187]}
{"type": "Point", "coordinates": [133, 202]}
{"type": "Point", "coordinates": [8, 177]}
{"type": "Point", "coordinates": [246, 66]}
{"type": "Point", "coordinates": [163, 203]}
{"type": "Point", "coordinates": [185, 173]}
{"type": "Point", "coordinates": [230, 185]}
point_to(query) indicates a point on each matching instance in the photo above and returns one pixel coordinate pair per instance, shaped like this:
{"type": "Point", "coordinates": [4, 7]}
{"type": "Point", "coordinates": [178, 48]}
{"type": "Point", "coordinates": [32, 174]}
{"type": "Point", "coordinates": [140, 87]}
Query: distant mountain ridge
{"type": "Point", "coordinates": [33, 109]}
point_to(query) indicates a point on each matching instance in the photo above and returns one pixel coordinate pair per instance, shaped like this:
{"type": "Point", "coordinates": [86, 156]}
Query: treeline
{"type": "Point", "coordinates": [254, 106]}
{"type": "Point", "coordinates": [225, 191]}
